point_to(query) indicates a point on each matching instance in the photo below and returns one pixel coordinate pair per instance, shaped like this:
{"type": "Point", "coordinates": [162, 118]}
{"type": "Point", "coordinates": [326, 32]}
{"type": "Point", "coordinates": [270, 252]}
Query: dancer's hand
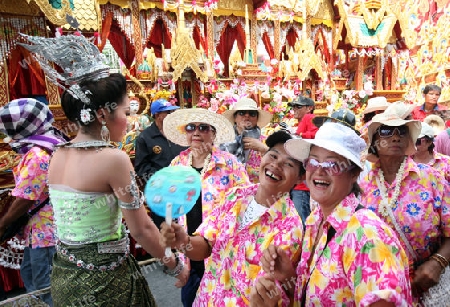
{"type": "Point", "coordinates": [182, 277]}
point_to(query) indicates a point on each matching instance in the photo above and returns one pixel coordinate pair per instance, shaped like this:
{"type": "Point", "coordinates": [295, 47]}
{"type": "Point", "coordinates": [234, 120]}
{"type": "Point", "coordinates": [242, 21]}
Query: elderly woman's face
{"type": "Point", "coordinates": [391, 141]}
{"type": "Point", "coordinates": [200, 135]}
{"type": "Point", "coordinates": [246, 119]}
{"type": "Point", "coordinates": [328, 176]}
{"type": "Point", "coordinates": [279, 172]}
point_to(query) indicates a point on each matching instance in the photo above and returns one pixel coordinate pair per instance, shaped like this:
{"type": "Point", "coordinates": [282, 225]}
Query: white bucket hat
{"type": "Point", "coordinates": [174, 123]}
{"type": "Point", "coordinates": [390, 117]}
{"type": "Point", "coordinates": [331, 136]}
{"type": "Point", "coordinates": [248, 104]}
{"type": "Point", "coordinates": [426, 130]}
{"type": "Point", "coordinates": [376, 104]}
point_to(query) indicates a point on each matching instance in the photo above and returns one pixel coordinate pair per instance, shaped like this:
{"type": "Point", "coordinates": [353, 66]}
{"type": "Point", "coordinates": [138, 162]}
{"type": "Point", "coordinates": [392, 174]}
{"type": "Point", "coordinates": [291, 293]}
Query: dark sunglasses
{"type": "Point", "coordinates": [298, 107]}
{"type": "Point", "coordinates": [424, 139]}
{"type": "Point", "coordinates": [332, 168]}
{"type": "Point", "coordinates": [388, 131]}
{"type": "Point", "coordinates": [203, 128]}
{"type": "Point", "coordinates": [250, 113]}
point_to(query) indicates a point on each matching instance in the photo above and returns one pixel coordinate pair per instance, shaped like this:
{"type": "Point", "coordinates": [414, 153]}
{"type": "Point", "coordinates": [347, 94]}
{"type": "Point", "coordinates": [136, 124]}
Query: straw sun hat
{"type": "Point", "coordinates": [174, 123]}
{"type": "Point", "coordinates": [248, 104]}
{"type": "Point", "coordinates": [391, 117]}
{"type": "Point", "coordinates": [436, 122]}
{"type": "Point", "coordinates": [331, 136]}
{"type": "Point", "coordinates": [376, 104]}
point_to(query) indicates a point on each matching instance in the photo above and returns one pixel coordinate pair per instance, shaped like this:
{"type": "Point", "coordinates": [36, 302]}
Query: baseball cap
{"type": "Point", "coordinates": [302, 101]}
{"type": "Point", "coordinates": [162, 105]}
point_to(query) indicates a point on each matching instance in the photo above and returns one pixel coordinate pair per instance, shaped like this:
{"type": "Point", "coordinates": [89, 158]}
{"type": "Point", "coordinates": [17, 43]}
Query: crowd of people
{"type": "Point", "coordinates": [321, 215]}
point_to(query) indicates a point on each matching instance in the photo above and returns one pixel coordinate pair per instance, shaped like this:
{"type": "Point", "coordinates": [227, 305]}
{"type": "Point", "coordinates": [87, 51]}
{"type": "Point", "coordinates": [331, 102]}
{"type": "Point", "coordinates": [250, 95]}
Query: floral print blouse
{"type": "Point", "coordinates": [30, 176]}
{"type": "Point", "coordinates": [224, 172]}
{"type": "Point", "coordinates": [235, 258]}
{"type": "Point", "coordinates": [253, 163]}
{"type": "Point", "coordinates": [362, 263]}
{"type": "Point", "coordinates": [441, 163]}
{"type": "Point", "coordinates": [421, 209]}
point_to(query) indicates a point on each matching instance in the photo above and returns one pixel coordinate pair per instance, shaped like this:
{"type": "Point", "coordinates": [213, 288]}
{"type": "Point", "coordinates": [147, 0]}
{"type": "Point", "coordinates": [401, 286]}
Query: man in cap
{"type": "Point", "coordinates": [303, 111]}
{"type": "Point", "coordinates": [153, 150]}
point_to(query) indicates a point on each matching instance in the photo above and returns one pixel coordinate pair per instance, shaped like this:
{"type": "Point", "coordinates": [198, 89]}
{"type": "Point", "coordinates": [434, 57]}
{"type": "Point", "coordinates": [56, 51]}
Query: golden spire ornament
{"type": "Point", "coordinates": [184, 54]}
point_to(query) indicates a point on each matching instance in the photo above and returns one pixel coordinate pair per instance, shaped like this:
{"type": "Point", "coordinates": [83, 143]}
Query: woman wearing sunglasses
{"type": "Point", "coordinates": [426, 154]}
{"type": "Point", "coordinates": [248, 145]}
{"type": "Point", "coordinates": [350, 257]}
{"type": "Point", "coordinates": [412, 198]}
{"type": "Point", "coordinates": [245, 221]}
{"type": "Point", "coordinates": [202, 130]}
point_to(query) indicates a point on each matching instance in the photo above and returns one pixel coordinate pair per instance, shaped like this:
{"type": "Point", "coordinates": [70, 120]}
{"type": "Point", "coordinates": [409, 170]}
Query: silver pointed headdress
{"type": "Point", "coordinates": [77, 56]}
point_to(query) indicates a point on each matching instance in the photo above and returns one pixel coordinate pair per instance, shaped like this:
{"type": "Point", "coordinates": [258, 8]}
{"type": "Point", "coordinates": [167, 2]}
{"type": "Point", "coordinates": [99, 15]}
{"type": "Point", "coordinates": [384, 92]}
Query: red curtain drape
{"type": "Point", "coordinates": [159, 35]}
{"type": "Point", "coordinates": [106, 28]}
{"type": "Point", "coordinates": [26, 79]}
{"type": "Point", "coordinates": [123, 47]}
{"type": "Point", "coordinates": [291, 38]}
{"type": "Point", "coordinates": [268, 45]}
{"type": "Point", "coordinates": [199, 40]}
{"type": "Point", "coordinates": [225, 45]}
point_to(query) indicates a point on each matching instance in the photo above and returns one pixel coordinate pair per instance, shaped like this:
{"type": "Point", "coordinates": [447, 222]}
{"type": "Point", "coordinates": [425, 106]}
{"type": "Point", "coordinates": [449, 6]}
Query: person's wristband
{"type": "Point", "coordinates": [177, 269]}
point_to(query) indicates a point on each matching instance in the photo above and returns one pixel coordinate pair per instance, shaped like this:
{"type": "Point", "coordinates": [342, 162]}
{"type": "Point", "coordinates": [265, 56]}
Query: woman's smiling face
{"type": "Point", "coordinates": [279, 172]}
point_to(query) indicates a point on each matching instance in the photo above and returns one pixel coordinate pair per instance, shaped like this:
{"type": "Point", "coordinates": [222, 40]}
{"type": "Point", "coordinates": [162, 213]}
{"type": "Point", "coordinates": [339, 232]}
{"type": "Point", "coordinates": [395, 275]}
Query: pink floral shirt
{"type": "Point", "coordinates": [421, 209]}
{"type": "Point", "coordinates": [253, 162]}
{"type": "Point", "coordinates": [30, 176]}
{"type": "Point", "coordinates": [441, 163]}
{"type": "Point", "coordinates": [235, 258]}
{"type": "Point", "coordinates": [362, 263]}
{"type": "Point", "coordinates": [224, 172]}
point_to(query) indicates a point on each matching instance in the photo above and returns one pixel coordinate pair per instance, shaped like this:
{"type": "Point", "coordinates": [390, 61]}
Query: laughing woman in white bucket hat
{"type": "Point", "coordinates": [248, 145]}
{"type": "Point", "coordinates": [349, 255]}
{"type": "Point", "coordinates": [411, 198]}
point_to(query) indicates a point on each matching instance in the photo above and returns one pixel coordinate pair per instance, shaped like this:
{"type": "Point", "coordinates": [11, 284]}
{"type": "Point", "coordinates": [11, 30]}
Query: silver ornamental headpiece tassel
{"type": "Point", "coordinates": [77, 56]}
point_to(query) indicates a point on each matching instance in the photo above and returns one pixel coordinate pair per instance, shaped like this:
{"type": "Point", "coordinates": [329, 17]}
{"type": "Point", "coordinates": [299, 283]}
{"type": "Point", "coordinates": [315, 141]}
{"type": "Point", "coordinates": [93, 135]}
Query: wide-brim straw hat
{"type": "Point", "coordinates": [391, 118]}
{"type": "Point", "coordinates": [334, 137]}
{"type": "Point", "coordinates": [376, 104]}
{"type": "Point", "coordinates": [248, 104]}
{"type": "Point", "coordinates": [174, 123]}
{"type": "Point", "coordinates": [436, 122]}
{"type": "Point", "coordinates": [403, 110]}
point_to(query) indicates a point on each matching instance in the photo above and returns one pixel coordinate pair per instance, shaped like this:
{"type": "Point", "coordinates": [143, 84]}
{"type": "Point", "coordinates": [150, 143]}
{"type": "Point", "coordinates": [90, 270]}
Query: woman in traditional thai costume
{"type": "Point", "coordinates": [413, 199]}
{"type": "Point", "coordinates": [220, 171]}
{"type": "Point", "coordinates": [92, 186]}
{"type": "Point", "coordinates": [243, 223]}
